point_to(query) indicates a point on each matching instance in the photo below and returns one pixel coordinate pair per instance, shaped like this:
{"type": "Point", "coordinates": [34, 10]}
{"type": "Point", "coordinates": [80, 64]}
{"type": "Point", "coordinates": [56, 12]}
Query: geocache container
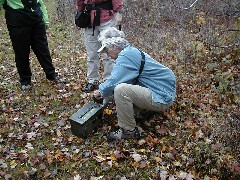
{"type": "Point", "coordinates": [86, 120]}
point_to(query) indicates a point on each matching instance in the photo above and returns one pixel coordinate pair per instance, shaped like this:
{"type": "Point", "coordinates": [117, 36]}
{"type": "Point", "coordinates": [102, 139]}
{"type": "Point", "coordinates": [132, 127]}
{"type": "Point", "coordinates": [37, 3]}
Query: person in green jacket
{"type": "Point", "coordinates": [26, 22]}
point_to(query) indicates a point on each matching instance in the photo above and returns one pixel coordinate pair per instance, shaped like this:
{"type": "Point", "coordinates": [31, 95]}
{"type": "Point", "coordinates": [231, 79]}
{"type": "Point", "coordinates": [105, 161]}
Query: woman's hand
{"type": "Point", "coordinates": [97, 97]}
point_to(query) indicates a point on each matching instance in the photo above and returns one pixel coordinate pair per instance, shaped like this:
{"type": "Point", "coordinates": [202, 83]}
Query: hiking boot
{"type": "Point", "coordinates": [26, 88]}
{"type": "Point", "coordinates": [57, 80]}
{"type": "Point", "coordinates": [121, 134]}
{"type": "Point", "coordinates": [90, 87]}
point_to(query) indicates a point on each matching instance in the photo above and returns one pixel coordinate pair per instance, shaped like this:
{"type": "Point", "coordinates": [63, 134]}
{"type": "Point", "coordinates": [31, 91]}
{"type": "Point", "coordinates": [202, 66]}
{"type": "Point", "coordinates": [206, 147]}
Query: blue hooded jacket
{"type": "Point", "coordinates": [155, 76]}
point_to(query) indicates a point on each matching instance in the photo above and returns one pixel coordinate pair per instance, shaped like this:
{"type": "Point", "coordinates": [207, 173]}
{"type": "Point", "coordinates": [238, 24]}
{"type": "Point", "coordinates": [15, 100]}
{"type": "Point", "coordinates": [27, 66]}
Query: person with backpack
{"type": "Point", "coordinates": [103, 14]}
{"type": "Point", "coordinates": [26, 22]}
{"type": "Point", "coordinates": [137, 82]}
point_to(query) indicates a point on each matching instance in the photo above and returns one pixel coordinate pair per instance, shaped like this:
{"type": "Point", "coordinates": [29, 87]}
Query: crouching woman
{"type": "Point", "coordinates": [137, 82]}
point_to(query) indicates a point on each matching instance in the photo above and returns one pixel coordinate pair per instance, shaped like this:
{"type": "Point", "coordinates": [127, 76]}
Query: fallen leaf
{"type": "Point", "coordinates": [158, 159]}
{"type": "Point", "coordinates": [141, 142]}
{"type": "Point", "coordinates": [137, 157]}
{"type": "Point", "coordinates": [59, 134]}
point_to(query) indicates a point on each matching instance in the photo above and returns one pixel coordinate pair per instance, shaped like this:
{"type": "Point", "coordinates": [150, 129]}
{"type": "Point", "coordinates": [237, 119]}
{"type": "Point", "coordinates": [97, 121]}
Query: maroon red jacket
{"type": "Point", "coordinates": [105, 15]}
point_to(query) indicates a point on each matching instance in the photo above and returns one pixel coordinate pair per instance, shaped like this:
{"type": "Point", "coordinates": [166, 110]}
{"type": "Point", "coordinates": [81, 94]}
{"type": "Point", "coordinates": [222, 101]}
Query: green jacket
{"type": "Point", "coordinates": [25, 7]}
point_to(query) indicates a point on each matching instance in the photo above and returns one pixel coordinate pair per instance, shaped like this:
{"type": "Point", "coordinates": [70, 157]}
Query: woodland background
{"type": "Point", "coordinates": [197, 138]}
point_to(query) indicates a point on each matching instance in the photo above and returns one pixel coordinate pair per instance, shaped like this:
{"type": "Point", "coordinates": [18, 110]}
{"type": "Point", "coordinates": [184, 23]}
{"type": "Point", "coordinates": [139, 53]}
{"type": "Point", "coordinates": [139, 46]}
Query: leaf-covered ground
{"type": "Point", "coordinates": [198, 138]}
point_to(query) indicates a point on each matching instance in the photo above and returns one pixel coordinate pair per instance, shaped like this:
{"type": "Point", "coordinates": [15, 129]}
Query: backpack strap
{"type": "Point", "coordinates": [107, 5]}
{"type": "Point", "coordinates": [141, 67]}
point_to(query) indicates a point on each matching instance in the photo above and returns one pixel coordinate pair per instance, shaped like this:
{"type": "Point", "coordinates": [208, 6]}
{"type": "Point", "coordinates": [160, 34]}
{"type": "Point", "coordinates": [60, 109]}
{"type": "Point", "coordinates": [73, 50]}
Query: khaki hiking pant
{"type": "Point", "coordinates": [93, 61]}
{"type": "Point", "coordinates": [129, 100]}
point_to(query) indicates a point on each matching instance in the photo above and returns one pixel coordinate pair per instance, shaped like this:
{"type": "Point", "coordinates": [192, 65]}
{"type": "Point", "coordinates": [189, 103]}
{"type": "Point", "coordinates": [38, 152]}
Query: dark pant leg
{"type": "Point", "coordinates": [39, 46]}
{"type": "Point", "coordinates": [20, 37]}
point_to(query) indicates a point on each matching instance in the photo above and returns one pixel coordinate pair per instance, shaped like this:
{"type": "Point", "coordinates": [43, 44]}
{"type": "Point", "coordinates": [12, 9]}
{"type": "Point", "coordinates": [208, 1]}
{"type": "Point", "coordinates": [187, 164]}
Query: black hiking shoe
{"type": "Point", "coordinates": [26, 88]}
{"type": "Point", "coordinates": [121, 134]}
{"type": "Point", "coordinates": [57, 80]}
{"type": "Point", "coordinates": [90, 87]}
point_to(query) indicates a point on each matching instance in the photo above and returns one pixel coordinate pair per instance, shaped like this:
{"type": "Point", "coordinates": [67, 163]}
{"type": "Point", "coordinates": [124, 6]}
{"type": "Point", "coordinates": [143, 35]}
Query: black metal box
{"type": "Point", "coordinates": [86, 119]}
